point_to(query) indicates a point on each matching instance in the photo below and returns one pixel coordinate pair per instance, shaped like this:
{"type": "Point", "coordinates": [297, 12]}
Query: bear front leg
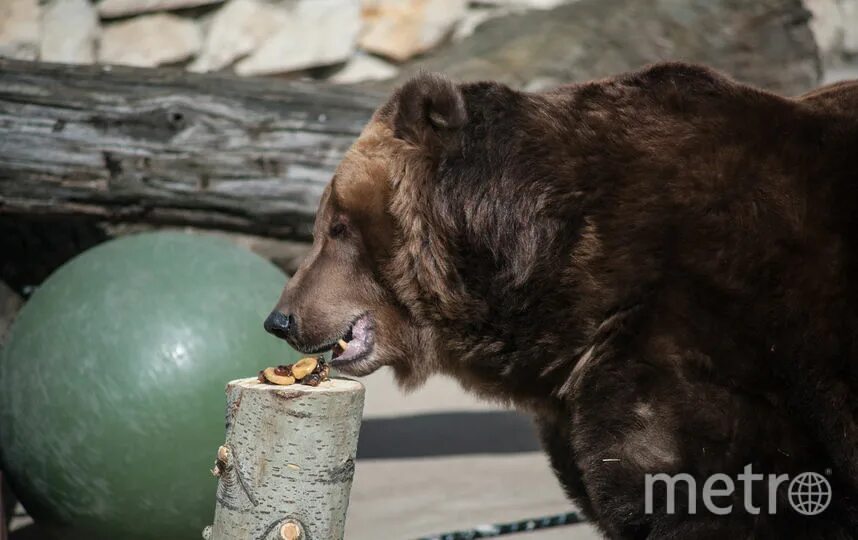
{"type": "Point", "coordinates": [617, 446]}
{"type": "Point", "coordinates": [634, 420]}
{"type": "Point", "coordinates": [825, 394]}
{"type": "Point", "coordinates": [554, 425]}
{"type": "Point", "coordinates": [622, 514]}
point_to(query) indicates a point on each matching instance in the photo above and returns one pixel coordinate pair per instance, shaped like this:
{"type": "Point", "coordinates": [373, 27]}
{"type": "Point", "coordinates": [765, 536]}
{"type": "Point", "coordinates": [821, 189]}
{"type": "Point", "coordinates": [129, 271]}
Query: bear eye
{"type": "Point", "coordinates": [337, 229]}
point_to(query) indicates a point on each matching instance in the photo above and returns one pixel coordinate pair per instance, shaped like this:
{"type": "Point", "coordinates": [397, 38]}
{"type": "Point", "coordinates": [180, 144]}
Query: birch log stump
{"type": "Point", "coordinates": [287, 464]}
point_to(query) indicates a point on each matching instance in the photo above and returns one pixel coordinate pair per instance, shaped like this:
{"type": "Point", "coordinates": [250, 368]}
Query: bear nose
{"type": "Point", "coordinates": [279, 324]}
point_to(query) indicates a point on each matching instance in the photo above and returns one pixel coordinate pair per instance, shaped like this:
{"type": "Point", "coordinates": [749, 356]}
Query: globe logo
{"type": "Point", "coordinates": [809, 493]}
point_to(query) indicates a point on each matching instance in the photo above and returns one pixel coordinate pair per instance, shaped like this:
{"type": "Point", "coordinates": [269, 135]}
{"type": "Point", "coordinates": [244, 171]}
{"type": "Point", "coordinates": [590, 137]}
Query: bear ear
{"type": "Point", "coordinates": [428, 107]}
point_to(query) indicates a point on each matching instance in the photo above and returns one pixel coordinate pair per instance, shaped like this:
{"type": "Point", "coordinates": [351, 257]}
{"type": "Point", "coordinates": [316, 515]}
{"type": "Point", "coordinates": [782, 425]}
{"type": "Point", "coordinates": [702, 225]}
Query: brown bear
{"type": "Point", "coordinates": [659, 266]}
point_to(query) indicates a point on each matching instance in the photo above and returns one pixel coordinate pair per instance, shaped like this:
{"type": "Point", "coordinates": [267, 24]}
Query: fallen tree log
{"type": "Point", "coordinates": [171, 148]}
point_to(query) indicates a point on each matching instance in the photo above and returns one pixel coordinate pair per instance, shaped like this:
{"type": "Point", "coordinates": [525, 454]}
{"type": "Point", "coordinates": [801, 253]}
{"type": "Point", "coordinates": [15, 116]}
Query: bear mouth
{"type": "Point", "coordinates": [355, 345]}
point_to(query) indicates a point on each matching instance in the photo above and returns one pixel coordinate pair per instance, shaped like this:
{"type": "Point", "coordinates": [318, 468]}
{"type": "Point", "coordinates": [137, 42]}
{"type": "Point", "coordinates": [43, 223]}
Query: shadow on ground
{"type": "Point", "coordinates": [447, 434]}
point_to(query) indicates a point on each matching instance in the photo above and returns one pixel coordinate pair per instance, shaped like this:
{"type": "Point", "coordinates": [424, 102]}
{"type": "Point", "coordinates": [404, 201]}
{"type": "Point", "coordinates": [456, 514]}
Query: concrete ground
{"type": "Point", "coordinates": [437, 461]}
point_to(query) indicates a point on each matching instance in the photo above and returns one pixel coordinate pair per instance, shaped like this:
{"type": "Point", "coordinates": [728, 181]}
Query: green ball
{"type": "Point", "coordinates": [112, 383]}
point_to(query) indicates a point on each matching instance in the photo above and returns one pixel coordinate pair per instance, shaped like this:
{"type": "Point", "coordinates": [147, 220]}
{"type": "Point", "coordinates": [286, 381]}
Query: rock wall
{"type": "Point", "coordinates": [835, 26]}
{"type": "Point", "coordinates": [766, 43]}
{"type": "Point", "coordinates": [344, 41]}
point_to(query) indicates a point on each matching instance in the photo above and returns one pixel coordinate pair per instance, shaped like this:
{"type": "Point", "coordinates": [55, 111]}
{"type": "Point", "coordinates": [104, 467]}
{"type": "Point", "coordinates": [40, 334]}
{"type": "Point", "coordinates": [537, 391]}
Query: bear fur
{"type": "Point", "coordinates": [660, 266]}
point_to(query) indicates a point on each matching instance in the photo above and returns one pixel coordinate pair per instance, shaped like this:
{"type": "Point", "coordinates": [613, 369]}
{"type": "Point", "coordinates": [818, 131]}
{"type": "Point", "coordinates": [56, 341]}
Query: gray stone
{"type": "Point", "coordinates": [363, 67]}
{"type": "Point", "coordinates": [237, 29]}
{"type": "Point", "coordinates": [590, 39]}
{"type": "Point", "coordinates": [149, 41]}
{"type": "Point", "coordinates": [316, 33]}
{"type": "Point", "coordinates": [850, 26]}
{"type": "Point", "coordinates": [826, 25]}
{"type": "Point", "coordinates": [475, 16]}
{"type": "Point", "coordinates": [120, 8]}
{"type": "Point", "coordinates": [19, 29]}
{"type": "Point", "coordinates": [527, 4]}
{"type": "Point", "coordinates": [841, 73]}
{"type": "Point", "coordinates": [401, 29]}
{"type": "Point", "coordinates": [70, 29]}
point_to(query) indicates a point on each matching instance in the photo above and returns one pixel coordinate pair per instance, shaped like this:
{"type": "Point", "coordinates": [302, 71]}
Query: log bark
{"type": "Point", "coordinates": [289, 459]}
{"type": "Point", "coordinates": [172, 148]}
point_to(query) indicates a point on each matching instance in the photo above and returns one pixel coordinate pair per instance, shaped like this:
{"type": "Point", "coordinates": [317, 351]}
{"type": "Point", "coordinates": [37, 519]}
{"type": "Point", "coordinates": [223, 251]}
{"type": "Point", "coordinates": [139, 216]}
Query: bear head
{"type": "Point", "coordinates": [426, 236]}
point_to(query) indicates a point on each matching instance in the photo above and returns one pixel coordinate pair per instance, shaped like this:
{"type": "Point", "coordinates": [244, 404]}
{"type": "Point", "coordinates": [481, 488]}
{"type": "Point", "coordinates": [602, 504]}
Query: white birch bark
{"type": "Point", "coordinates": [289, 458]}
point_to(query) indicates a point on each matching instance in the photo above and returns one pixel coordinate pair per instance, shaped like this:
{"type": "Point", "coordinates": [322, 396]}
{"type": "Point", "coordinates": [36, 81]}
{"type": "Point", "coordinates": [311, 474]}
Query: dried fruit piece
{"type": "Point", "coordinates": [273, 378]}
{"type": "Point", "coordinates": [324, 371]}
{"type": "Point", "coordinates": [300, 371]}
{"type": "Point", "coordinates": [304, 367]}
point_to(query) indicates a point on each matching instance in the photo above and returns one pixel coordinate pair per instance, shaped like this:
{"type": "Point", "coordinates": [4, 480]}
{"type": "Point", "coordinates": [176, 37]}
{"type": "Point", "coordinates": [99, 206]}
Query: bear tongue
{"type": "Point", "coordinates": [360, 330]}
{"type": "Point", "coordinates": [360, 343]}
{"type": "Point", "coordinates": [356, 348]}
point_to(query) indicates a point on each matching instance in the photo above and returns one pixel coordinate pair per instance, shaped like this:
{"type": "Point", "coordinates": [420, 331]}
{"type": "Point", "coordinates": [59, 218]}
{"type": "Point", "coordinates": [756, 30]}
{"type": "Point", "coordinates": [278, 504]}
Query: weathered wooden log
{"type": "Point", "coordinates": [168, 147]}
{"type": "Point", "coordinates": [288, 460]}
